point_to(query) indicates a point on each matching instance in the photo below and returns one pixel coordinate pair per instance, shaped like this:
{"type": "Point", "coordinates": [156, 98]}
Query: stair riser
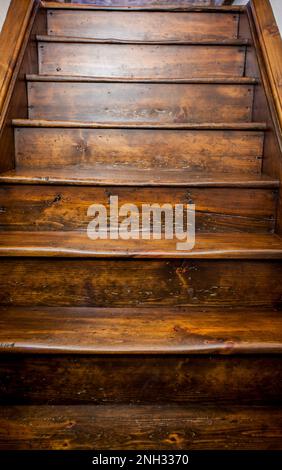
{"type": "Point", "coordinates": [196, 150]}
{"type": "Point", "coordinates": [65, 207]}
{"type": "Point", "coordinates": [139, 102]}
{"type": "Point", "coordinates": [143, 26]}
{"type": "Point", "coordinates": [105, 380]}
{"type": "Point", "coordinates": [141, 61]}
{"type": "Point", "coordinates": [132, 282]}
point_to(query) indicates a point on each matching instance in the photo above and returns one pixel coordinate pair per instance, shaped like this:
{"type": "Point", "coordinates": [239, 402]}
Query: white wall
{"type": "Point", "coordinates": [276, 7]}
{"type": "Point", "coordinates": [4, 5]}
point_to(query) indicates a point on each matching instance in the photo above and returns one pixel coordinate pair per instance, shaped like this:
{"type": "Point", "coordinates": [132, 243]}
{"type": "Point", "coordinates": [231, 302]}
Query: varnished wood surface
{"type": "Point", "coordinates": [160, 379]}
{"type": "Point", "coordinates": [143, 26]}
{"type": "Point", "coordinates": [126, 176]}
{"type": "Point", "coordinates": [140, 102]}
{"type": "Point", "coordinates": [124, 156]}
{"type": "Point", "coordinates": [69, 282]}
{"type": "Point", "coordinates": [78, 244]}
{"type": "Point", "coordinates": [140, 427]}
{"type": "Point", "coordinates": [140, 331]}
{"type": "Point", "coordinates": [142, 61]}
{"type": "Point", "coordinates": [49, 207]}
{"type": "Point", "coordinates": [170, 6]}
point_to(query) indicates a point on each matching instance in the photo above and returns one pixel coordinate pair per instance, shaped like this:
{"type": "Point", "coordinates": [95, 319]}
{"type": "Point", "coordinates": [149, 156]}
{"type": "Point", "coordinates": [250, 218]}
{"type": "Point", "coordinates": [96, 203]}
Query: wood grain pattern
{"type": "Point", "coordinates": [135, 282]}
{"type": "Point", "coordinates": [28, 208]}
{"type": "Point", "coordinates": [140, 427]}
{"type": "Point", "coordinates": [142, 26]}
{"type": "Point", "coordinates": [143, 61]}
{"type": "Point", "coordinates": [139, 331]}
{"type": "Point", "coordinates": [140, 102]}
{"type": "Point", "coordinates": [194, 150]}
{"type": "Point", "coordinates": [158, 379]}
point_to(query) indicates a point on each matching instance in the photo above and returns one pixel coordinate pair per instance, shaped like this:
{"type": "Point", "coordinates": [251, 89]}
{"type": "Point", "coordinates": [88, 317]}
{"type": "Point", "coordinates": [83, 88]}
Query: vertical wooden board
{"type": "Point", "coordinates": [140, 102]}
{"type": "Point", "coordinates": [142, 61]}
{"type": "Point", "coordinates": [125, 283]}
{"type": "Point", "coordinates": [143, 26]}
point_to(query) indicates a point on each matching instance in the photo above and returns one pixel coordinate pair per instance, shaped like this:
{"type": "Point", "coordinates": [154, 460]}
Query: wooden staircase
{"type": "Point", "coordinates": [132, 344]}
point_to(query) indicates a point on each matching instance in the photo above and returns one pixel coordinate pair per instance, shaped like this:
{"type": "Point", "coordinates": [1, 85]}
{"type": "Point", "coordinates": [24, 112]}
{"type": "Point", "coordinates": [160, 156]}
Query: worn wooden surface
{"type": "Point", "coordinates": [140, 102]}
{"type": "Point", "coordinates": [140, 427]}
{"type": "Point", "coordinates": [142, 26]}
{"type": "Point", "coordinates": [143, 61]}
{"type": "Point", "coordinates": [140, 331]}
{"type": "Point", "coordinates": [84, 379]}
{"type": "Point", "coordinates": [133, 282]}
{"type": "Point", "coordinates": [196, 150]}
{"type": "Point", "coordinates": [39, 207]}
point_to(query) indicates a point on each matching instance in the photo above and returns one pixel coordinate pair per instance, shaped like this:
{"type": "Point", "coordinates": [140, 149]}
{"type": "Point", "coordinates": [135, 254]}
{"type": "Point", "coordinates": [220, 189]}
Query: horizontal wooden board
{"type": "Point", "coordinates": [28, 208]}
{"type": "Point", "coordinates": [221, 151]}
{"type": "Point", "coordinates": [69, 380]}
{"type": "Point", "coordinates": [142, 25]}
{"type": "Point", "coordinates": [132, 282]}
{"type": "Point", "coordinates": [140, 427]}
{"type": "Point", "coordinates": [144, 5]}
{"type": "Point", "coordinates": [140, 331]}
{"type": "Point", "coordinates": [140, 102]}
{"type": "Point", "coordinates": [157, 61]}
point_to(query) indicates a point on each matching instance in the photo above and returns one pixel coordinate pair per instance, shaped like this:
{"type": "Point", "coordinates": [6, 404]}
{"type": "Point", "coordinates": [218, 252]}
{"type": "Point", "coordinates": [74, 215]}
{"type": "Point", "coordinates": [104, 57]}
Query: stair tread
{"type": "Point", "coordinates": [212, 42]}
{"type": "Point", "coordinates": [216, 9]}
{"type": "Point", "coordinates": [83, 79]}
{"type": "Point", "coordinates": [130, 176]}
{"type": "Point", "coordinates": [139, 125]}
{"type": "Point", "coordinates": [78, 244]}
{"type": "Point", "coordinates": [192, 330]}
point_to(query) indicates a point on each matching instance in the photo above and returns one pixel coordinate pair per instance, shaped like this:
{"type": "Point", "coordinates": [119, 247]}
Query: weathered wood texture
{"type": "Point", "coordinates": [70, 380]}
{"type": "Point", "coordinates": [140, 331]}
{"type": "Point", "coordinates": [27, 208]}
{"type": "Point", "coordinates": [125, 283]}
{"type": "Point", "coordinates": [142, 26]}
{"type": "Point", "coordinates": [140, 102]}
{"type": "Point", "coordinates": [144, 5]}
{"type": "Point", "coordinates": [142, 61]}
{"type": "Point", "coordinates": [140, 427]}
{"type": "Point", "coordinates": [196, 150]}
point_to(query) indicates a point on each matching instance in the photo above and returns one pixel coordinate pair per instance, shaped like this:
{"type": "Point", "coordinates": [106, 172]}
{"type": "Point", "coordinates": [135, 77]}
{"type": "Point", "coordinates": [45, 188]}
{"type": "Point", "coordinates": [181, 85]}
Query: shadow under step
{"type": "Point", "coordinates": [78, 244]}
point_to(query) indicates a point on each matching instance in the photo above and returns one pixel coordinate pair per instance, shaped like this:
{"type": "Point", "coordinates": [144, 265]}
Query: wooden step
{"type": "Point", "coordinates": [140, 427]}
{"type": "Point", "coordinates": [78, 244]}
{"type": "Point", "coordinates": [83, 57]}
{"type": "Point", "coordinates": [135, 102]}
{"type": "Point", "coordinates": [131, 282]}
{"type": "Point", "coordinates": [128, 176]}
{"type": "Point", "coordinates": [140, 331]}
{"type": "Point", "coordinates": [235, 148]}
{"type": "Point", "coordinates": [63, 207]}
{"type": "Point", "coordinates": [205, 379]}
{"type": "Point", "coordinates": [150, 5]}
{"type": "Point", "coordinates": [142, 25]}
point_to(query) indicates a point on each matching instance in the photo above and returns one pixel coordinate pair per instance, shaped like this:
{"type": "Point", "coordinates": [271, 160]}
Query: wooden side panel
{"type": "Point", "coordinates": [142, 26]}
{"type": "Point", "coordinates": [226, 151]}
{"type": "Point", "coordinates": [139, 102]}
{"type": "Point", "coordinates": [125, 283]}
{"type": "Point", "coordinates": [142, 61]}
{"type": "Point", "coordinates": [70, 380]}
{"type": "Point", "coordinates": [65, 208]}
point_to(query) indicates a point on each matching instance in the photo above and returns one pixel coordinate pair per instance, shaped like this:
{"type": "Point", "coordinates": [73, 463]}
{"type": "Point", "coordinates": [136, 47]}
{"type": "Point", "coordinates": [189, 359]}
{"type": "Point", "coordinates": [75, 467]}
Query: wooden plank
{"type": "Point", "coordinates": [140, 427]}
{"type": "Point", "coordinates": [78, 244]}
{"type": "Point", "coordinates": [125, 176]}
{"type": "Point", "coordinates": [139, 331]}
{"type": "Point", "coordinates": [142, 26]}
{"type": "Point", "coordinates": [104, 380]}
{"type": "Point", "coordinates": [28, 208]}
{"type": "Point", "coordinates": [143, 61]}
{"type": "Point", "coordinates": [76, 78]}
{"type": "Point", "coordinates": [127, 151]}
{"type": "Point", "coordinates": [128, 282]}
{"type": "Point", "coordinates": [138, 102]}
